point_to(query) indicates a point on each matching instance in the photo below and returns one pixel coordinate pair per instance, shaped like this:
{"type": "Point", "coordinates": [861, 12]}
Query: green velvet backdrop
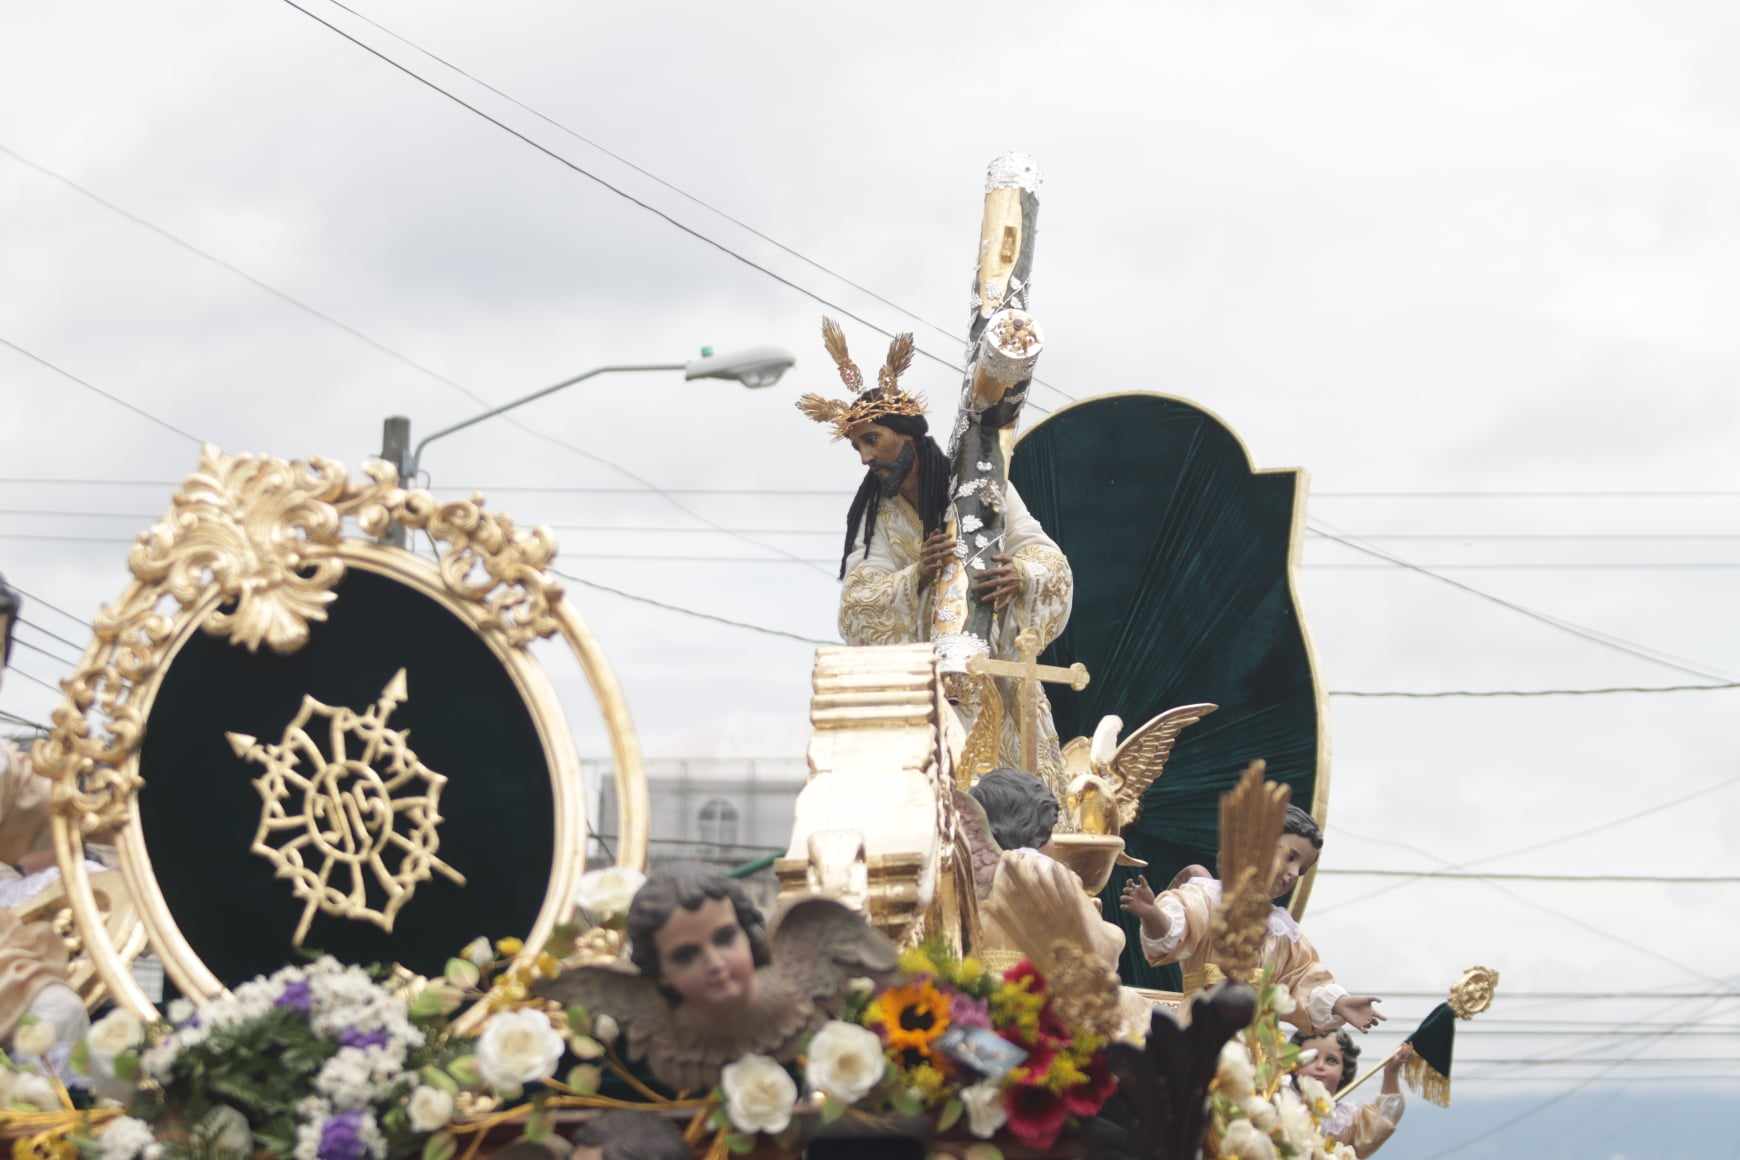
{"type": "Point", "coordinates": [1182, 595]}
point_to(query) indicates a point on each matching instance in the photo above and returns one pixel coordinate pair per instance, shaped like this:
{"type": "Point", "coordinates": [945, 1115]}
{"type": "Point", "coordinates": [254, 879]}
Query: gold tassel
{"type": "Point", "coordinates": [1425, 1079]}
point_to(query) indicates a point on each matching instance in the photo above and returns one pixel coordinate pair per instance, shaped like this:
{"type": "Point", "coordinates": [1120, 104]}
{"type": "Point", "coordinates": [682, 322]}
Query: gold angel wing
{"type": "Point", "coordinates": [1251, 817]}
{"type": "Point", "coordinates": [979, 754]}
{"type": "Point", "coordinates": [822, 410]}
{"type": "Point", "coordinates": [835, 340]}
{"type": "Point", "coordinates": [1143, 755]}
{"type": "Point", "coordinates": [1038, 906]}
{"type": "Point", "coordinates": [899, 359]}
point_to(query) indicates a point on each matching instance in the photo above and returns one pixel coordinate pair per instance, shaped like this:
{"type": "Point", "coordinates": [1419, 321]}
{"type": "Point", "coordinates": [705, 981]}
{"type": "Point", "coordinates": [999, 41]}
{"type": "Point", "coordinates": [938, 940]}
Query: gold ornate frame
{"type": "Point", "coordinates": [250, 550]}
{"type": "Point", "coordinates": [1296, 541]}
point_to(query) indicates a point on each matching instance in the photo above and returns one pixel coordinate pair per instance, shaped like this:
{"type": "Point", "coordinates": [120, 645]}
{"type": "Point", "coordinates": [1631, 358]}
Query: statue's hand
{"type": "Point", "coordinates": [934, 556]}
{"type": "Point", "coordinates": [1138, 898]}
{"type": "Point", "coordinates": [1000, 583]}
{"type": "Point", "coordinates": [1360, 1011]}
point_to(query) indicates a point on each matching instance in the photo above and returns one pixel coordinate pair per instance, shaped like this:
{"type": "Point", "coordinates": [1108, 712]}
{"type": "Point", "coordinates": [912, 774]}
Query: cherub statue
{"type": "Point", "coordinates": [1107, 778]}
{"type": "Point", "coordinates": [711, 983]}
{"type": "Point", "coordinates": [1033, 906]}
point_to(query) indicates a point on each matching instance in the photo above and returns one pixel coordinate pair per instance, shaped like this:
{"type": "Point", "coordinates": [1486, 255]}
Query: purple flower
{"type": "Point", "coordinates": [341, 1137]}
{"type": "Point", "coordinates": [297, 996]}
{"type": "Point", "coordinates": [351, 1037]}
{"type": "Point", "coordinates": [966, 1011]}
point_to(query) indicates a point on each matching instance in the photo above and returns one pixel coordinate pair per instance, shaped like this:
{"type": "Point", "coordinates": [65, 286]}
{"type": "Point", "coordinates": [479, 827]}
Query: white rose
{"type": "Point", "coordinates": [226, 1131]}
{"type": "Point", "coordinates": [1242, 1141]}
{"type": "Point", "coordinates": [34, 1037]}
{"type": "Point", "coordinates": [430, 1109]}
{"type": "Point", "coordinates": [517, 1047]}
{"type": "Point", "coordinates": [604, 1029]}
{"type": "Point", "coordinates": [126, 1138]}
{"type": "Point", "coordinates": [1261, 1112]}
{"type": "Point", "coordinates": [33, 1091]}
{"type": "Point", "coordinates": [1317, 1097]}
{"type": "Point", "coordinates": [478, 952]}
{"type": "Point", "coordinates": [179, 1011]}
{"type": "Point", "coordinates": [114, 1033]}
{"type": "Point", "coordinates": [845, 1061]}
{"type": "Point", "coordinates": [604, 894]}
{"type": "Point", "coordinates": [1297, 1125]}
{"type": "Point", "coordinates": [1282, 1001]}
{"type": "Point", "coordinates": [985, 1110]}
{"type": "Point", "coordinates": [759, 1095]}
{"type": "Point", "coordinates": [1235, 1075]}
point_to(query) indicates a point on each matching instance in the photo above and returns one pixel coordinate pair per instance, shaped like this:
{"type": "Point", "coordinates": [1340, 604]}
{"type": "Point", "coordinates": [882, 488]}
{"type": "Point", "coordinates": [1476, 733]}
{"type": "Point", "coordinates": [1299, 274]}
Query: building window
{"type": "Point", "coordinates": [719, 823]}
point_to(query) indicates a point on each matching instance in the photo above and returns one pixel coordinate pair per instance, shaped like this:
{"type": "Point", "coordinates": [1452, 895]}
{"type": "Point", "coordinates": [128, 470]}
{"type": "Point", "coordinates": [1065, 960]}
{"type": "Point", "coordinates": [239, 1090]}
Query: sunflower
{"type": "Point", "coordinates": [910, 1016]}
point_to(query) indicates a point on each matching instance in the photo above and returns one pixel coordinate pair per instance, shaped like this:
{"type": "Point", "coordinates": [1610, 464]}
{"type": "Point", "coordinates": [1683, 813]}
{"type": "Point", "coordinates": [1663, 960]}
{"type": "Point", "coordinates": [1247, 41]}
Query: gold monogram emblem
{"type": "Point", "coordinates": [327, 814]}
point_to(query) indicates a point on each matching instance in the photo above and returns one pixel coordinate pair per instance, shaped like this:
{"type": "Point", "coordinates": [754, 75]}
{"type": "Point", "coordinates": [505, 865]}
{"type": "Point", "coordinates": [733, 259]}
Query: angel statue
{"type": "Point", "coordinates": [1032, 906]}
{"type": "Point", "coordinates": [1107, 778]}
{"type": "Point", "coordinates": [711, 982]}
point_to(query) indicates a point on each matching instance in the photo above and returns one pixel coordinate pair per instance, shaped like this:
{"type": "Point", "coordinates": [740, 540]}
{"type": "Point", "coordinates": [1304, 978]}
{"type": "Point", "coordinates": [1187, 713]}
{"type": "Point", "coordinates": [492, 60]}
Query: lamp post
{"type": "Point", "coordinates": [757, 367]}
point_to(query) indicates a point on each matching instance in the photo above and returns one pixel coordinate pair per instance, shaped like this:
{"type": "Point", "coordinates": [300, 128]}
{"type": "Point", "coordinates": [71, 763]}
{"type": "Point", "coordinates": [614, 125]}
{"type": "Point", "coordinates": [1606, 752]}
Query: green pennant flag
{"type": "Point", "coordinates": [1433, 1042]}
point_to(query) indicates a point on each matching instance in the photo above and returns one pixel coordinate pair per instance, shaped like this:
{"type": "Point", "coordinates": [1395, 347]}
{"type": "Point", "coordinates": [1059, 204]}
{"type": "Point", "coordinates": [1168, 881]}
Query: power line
{"type": "Point", "coordinates": [1606, 640]}
{"type": "Point", "coordinates": [1553, 566]}
{"type": "Point", "coordinates": [1658, 996]}
{"type": "Point", "coordinates": [115, 399]}
{"type": "Point", "coordinates": [622, 193]}
{"type": "Point", "coordinates": [52, 608]}
{"type": "Point", "coordinates": [1438, 694]}
{"type": "Point", "coordinates": [677, 608]}
{"type": "Point", "coordinates": [52, 636]}
{"type": "Point", "coordinates": [38, 649]}
{"type": "Point", "coordinates": [35, 680]}
{"type": "Point", "coordinates": [1569, 494]}
{"type": "Point", "coordinates": [375, 344]}
{"type": "Point", "coordinates": [15, 719]}
{"type": "Point", "coordinates": [1709, 879]}
{"type": "Point", "coordinates": [674, 188]}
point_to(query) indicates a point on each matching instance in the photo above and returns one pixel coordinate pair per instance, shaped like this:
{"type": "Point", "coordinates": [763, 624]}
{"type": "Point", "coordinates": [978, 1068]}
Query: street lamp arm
{"type": "Point", "coordinates": [416, 456]}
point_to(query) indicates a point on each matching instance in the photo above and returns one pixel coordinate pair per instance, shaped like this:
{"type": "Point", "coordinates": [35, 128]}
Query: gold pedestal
{"type": "Point", "coordinates": [1091, 856]}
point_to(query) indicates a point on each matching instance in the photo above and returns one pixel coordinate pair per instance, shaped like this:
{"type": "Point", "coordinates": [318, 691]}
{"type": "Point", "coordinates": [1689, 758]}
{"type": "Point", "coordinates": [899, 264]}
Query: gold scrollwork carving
{"type": "Point", "coordinates": [251, 549]}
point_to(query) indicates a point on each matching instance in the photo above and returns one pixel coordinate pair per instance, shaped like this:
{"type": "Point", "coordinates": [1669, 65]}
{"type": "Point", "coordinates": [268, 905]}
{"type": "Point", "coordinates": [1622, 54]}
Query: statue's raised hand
{"type": "Point", "coordinates": [1360, 1011]}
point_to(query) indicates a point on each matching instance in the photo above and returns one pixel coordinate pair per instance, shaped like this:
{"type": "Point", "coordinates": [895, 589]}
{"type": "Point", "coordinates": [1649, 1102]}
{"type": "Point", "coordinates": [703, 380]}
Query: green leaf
{"type": "Point", "coordinates": [716, 1119]}
{"type": "Point", "coordinates": [80, 1059]}
{"type": "Point", "coordinates": [586, 1078]}
{"type": "Point", "coordinates": [740, 1145]}
{"type": "Point", "coordinates": [440, 1146]}
{"type": "Point", "coordinates": [436, 1078]}
{"type": "Point", "coordinates": [579, 1020]}
{"type": "Point", "coordinates": [464, 1069]}
{"type": "Point", "coordinates": [951, 1115]}
{"type": "Point", "coordinates": [462, 974]}
{"type": "Point", "coordinates": [906, 1101]}
{"type": "Point", "coordinates": [538, 1127]}
{"type": "Point", "coordinates": [127, 1066]}
{"type": "Point", "coordinates": [832, 1109]}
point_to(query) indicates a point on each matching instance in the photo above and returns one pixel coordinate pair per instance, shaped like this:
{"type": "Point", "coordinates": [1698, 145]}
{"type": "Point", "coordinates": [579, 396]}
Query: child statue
{"type": "Point", "coordinates": [1363, 1127]}
{"type": "Point", "coordinates": [1177, 925]}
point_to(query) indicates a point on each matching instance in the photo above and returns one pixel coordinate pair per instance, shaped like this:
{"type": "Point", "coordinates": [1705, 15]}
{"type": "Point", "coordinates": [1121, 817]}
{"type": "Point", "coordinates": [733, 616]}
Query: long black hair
{"type": "Point", "coordinates": [934, 470]}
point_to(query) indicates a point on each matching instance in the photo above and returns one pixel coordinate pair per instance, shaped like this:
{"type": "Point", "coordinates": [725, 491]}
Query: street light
{"type": "Point", "coordinates": [755, 368]}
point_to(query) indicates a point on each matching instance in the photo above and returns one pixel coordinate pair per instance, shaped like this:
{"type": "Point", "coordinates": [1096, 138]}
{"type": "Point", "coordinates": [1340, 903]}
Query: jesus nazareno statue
{"type": "Point", "coordinates": [909, 565]}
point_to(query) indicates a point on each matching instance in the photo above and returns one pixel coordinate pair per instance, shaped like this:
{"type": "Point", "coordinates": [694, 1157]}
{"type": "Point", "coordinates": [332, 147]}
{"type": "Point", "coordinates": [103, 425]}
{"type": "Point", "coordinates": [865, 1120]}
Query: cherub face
{"type": "Point", "coordinates": [1326, 1068]}
{"type": "Point", "coordinates": [1294, 855]}
{"type": "Point", "coordinates": [705, 957]}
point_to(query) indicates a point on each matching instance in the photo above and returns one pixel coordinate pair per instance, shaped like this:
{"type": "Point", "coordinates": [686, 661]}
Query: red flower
{"type": "Point", "coordinates": [1086, 1099]}
{"type": "Point", "coordinates": [1026, 970]}
{"type": "Point", "coordinates": [1036, 1115]}
{"type": "Point", "coordinates": [1051, 1033]}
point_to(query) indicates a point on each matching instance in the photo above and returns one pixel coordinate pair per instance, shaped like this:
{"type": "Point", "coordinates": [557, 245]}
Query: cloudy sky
{"type": "Point", "coordinates": [1413, 248]}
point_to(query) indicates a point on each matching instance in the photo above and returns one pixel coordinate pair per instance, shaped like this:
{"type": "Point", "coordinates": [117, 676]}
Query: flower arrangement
{"type": "Point", "coordinates": [1255, 1111]}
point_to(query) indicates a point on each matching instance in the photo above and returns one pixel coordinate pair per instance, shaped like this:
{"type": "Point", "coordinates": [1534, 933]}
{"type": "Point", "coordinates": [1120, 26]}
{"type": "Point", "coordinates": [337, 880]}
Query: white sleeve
{"type": "Point", "coordinates": [1321, 1007]}
{"type": "Point", "coordinates": [1161, 950]}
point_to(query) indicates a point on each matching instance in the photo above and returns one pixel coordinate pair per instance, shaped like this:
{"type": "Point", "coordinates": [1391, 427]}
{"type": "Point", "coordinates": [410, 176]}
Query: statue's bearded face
{"type": "Point", "coordinates": [888, 453]}
{"type": "Point", "coordinates": [705, 956]}
{"type": "Point", "coordinates": [1294, 855]}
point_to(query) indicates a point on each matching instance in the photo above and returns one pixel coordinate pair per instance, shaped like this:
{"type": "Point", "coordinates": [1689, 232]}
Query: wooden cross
{"type": "Point", "coordinates": [1030, 673]}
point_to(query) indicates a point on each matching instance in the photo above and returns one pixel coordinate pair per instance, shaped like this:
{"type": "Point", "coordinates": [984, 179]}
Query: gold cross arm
{"type": "Point", "coordinates": [1075, 676]}
{"type": "Point", "coordinates": [1030, 673]}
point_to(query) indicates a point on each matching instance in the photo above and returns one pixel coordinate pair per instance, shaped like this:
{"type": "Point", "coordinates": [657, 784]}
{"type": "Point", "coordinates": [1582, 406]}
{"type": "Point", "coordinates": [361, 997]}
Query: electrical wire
{"type": "Point", "coordinates": [115, 399]}
{"type": "Point", "coordinates": [673, 187]}
{"type": "Point", "coordinates": [1437, 694]}
{"type": "Point", "coordinates": [52, 608]}
{"type": "Point", "coordinates": [1606, 640]}
{"type": "Point", "coordinates": [374, 344]}
{"type": "Point", "coordinates": [35, 680]}
{"type": "Point", "coordinates": [624, 194]}
{"type": "Point", "coordinates": [695, 613]}
{"type": "Point", "coordinates": [1688, 879]}
{"type": "Point", "coordinates": [52, 636]}
{"type": "Point", "coordinates": [39, 650]}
